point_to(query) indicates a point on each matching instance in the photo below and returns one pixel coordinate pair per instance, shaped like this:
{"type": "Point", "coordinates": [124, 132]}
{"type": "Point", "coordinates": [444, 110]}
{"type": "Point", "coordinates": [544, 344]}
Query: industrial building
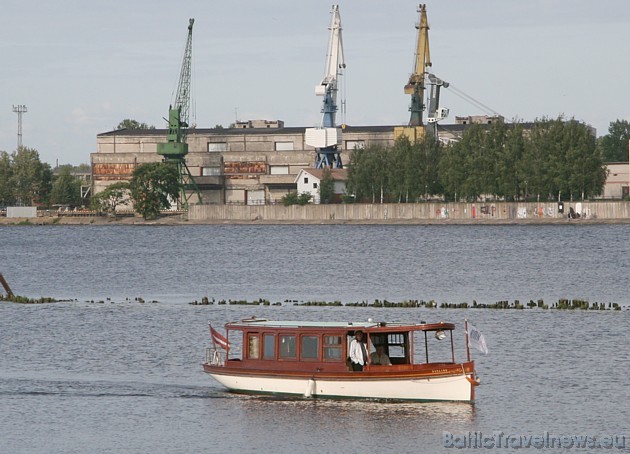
{"type": "Point", "coordinates": [253, 162]}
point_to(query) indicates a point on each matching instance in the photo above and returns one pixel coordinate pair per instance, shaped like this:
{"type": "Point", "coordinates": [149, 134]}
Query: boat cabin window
{"type": "Point", "coordinates": [269, 346]}
{"type": "Point", "coordinates": [287, 346]}
{"type": "Point", "coordinates": [310, 348]}
{"type": "Point", "coordinates": [434, 346]}
{"type": "Point", "coordinates": [253, 346]}
{"type": "Point", "coordinates": [396, 346]}
{"type": "Point", "coordinates": [332, 348]}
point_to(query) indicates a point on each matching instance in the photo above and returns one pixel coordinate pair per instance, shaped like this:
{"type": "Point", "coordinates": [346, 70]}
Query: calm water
{"type": "Point", "coordinates": [121, 376]}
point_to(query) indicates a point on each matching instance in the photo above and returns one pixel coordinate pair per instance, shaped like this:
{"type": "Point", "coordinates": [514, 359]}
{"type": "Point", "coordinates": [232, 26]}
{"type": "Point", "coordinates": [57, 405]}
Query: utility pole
{"type": "Point", "coordinates": [19, 110]}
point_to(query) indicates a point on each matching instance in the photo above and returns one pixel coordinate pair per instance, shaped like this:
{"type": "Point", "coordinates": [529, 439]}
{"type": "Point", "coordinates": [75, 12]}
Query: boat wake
{"type": "Point", "coordinates": [104, 388]}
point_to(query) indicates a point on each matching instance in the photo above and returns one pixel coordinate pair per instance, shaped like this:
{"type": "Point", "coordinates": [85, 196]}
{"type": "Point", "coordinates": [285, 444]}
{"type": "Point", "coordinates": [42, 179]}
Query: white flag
{"type": "Point", "coordinates": [476, 339]}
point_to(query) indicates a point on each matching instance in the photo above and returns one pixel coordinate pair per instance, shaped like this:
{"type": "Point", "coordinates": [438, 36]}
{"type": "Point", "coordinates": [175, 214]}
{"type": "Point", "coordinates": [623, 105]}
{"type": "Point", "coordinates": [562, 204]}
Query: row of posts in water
{"type": "Point", "coordinates": [561, 304]}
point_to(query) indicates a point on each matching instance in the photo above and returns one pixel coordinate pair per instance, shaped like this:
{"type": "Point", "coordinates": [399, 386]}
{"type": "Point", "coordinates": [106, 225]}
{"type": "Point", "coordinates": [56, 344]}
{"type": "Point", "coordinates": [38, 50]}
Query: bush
{"type": "Point", "coordinates": [292, 198]}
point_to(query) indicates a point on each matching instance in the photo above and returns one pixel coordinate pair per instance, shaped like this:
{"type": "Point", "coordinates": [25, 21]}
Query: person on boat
{"type": "Point", "coordinates": [379, 357]}
{"type": "Point", "coordinates": [358, 353]}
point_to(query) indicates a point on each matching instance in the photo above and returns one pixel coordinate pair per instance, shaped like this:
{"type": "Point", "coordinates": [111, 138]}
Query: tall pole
{"type": "Point", "coordinates": [19, 110]}
{"type": "Point", "coordinates": [467, 347]}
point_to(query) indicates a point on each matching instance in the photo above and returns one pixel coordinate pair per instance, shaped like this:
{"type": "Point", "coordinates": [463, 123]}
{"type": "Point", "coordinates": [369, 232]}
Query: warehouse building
{"type": "Point", "coordinates": [253, 162]}
{"type": "Point", "coordinates": [258, 161]}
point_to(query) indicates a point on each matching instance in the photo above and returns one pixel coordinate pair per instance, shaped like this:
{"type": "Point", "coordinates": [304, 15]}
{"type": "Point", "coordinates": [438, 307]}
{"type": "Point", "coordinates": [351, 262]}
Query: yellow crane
{"type": "Point", "coordinates": [416, 85]}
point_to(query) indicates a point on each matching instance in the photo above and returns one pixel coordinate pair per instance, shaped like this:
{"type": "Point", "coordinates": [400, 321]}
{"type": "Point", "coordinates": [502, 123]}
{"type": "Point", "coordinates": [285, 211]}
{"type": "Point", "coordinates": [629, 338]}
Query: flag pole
{"type": "Point", "coordinates": [214, 345]}
{"type": "Point", "coordinates": [467, 347]}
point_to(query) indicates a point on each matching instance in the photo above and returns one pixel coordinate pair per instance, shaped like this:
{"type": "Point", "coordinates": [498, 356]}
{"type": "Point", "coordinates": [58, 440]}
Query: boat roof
{"type": "Point", "coordinates": [369, 325]}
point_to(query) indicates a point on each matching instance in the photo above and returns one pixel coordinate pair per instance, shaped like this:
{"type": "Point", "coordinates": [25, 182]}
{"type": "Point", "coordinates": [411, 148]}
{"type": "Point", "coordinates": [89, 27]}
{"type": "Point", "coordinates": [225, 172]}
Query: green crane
{"type": "Point", "coordinates": [176, 148]}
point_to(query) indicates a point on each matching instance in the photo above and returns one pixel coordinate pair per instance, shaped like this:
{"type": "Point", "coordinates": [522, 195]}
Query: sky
{"type": "Point", "coordinates": [81, 67]}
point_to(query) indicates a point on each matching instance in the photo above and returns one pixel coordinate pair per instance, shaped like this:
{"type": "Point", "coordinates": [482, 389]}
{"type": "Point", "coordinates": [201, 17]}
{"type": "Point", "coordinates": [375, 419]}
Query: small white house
{"type": "Point", "coordinates": [309, 180]}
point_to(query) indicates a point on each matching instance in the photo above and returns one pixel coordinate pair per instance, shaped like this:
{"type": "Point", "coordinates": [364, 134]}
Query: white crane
{"type": "Point", "coordinates": [327, 137]}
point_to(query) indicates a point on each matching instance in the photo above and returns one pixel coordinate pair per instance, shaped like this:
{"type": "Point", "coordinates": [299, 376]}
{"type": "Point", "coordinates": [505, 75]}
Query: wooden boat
{"type": "Point", "coordinates": [311, 359]}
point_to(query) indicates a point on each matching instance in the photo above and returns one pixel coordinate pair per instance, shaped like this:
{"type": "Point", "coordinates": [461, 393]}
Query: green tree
{"type": "Point", "coordinates": [401, 170]}
{"type": "Point", "coordinates": [83, 168]}
{"type": "Point", "coordinates": [586, 169]}
{"type": "Point", "coordinates": [368, 174]}
{"type": "Point", "coordinates": [412, 169]}
{"type": "Point", "coordinates": [535, 166]}
{"type": "Point", "coordinates": [7, 196]}
{"type": "Point", "coordinates": [45, 187]}
{"type": "Point", "coordinates": [153, 186]}
{"type": "Point", "coordinates": [111, 197]}
{"type": "Point", "coordinates": [30, 178]}
{"type": "Point", "coordinates": [326, 187]}
{"type": "Point", "coordinates": [129, 123]}
{"type": "Point", "coordinates": [451, 171]}
{"type": "Point", "coordinates": [509, 182]}
{"type": "Point", "coordinates": [614, 145]}
{"type": "Point", "coordinates": [429, 153]}
{"type": "Point", "coordinates": [66, 189]}
{"type": "Point", "coordinates": [561, 161]}
{"type": "Point", "coordinates": [468, 166]}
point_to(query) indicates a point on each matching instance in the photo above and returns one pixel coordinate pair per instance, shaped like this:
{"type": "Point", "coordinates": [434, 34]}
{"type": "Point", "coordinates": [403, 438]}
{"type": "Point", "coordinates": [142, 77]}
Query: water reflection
{"type": "Point", "coordinates": [327, 425]}
{"type": "Point", "coordinates": [375, 408]}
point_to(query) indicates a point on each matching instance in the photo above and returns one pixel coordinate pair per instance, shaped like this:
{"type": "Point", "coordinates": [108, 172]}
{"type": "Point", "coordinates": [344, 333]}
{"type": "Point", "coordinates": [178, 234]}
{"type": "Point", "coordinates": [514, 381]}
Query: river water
{"type": "Point", "coordinates": [106, 373]}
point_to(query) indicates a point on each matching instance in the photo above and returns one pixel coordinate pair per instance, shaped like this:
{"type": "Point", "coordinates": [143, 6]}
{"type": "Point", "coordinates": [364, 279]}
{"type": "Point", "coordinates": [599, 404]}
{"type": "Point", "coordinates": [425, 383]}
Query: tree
{"type": "Point", "coordinates": [614, 145]}
{"type": "Point", "coordinates": [368, 174]}
{"type": "Point", "coordinates": [83, 168]}
{"type": "Point", "coordinates": [561, 160]}
{"type": "Point", "coordinates": [451, 171]}
{"type": "Point", "coordinates": [509, 184]}
{"type": "Point", "coordinates": [45, 187]}
{"type": "Point", "coordinates": [66, 189]}
{"type": "Point", "coordinates": [6, 190]}
{"type": "Point", "coordinates": [129, 123]}
{"type": "Point", "coordinates": [30, 179]}
{"type": "Point", "coordinates": [467, 168]}
{"type": "Point", "coordinates": [153, 186]}
{"type": "Point", "coordinates": [326, 187]}
{"type": "Point", "coordinates": [586, 170]}
{"type": "Point", "coordinates": [427, 155]}
{"type": "Point", "coordinates": [111, 197]}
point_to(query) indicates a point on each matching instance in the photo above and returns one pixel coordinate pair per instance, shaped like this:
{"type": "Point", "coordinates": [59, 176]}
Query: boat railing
{"type": "Point", "coordinates": [214, 357]}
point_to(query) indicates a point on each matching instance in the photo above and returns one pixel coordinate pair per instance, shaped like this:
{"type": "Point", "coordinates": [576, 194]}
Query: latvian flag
{"type": "Point", "coordinates": [218, 338]}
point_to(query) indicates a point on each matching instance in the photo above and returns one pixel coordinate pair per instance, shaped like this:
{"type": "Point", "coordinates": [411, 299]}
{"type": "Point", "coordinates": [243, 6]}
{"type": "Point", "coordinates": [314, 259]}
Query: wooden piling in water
{"type": "Point", "coordinates": [6, 286]}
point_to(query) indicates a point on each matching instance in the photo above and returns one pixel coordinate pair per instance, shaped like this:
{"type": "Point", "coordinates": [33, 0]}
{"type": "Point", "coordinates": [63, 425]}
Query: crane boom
{"type": "Point", "coordinates": [335, 64]}
{"type": "Point", "coordinates": [182, 100]}
{"type": "Point", "coordinates": [327, 137]}
{"type": "Point", "coordinates": [416, 85]}
{"type": "Point", "coordinates": [175, 149]}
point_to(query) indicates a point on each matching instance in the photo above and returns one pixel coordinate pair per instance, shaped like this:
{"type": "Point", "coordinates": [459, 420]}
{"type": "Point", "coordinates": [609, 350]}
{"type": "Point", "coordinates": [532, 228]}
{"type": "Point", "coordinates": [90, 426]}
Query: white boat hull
{"type": "Point", "coordinates": [446, 388]}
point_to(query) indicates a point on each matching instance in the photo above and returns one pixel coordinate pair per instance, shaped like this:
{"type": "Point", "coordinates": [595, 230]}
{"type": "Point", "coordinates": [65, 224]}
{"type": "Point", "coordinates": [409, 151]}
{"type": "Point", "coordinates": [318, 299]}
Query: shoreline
{"type": "Point", "coordinates": [181, 220]}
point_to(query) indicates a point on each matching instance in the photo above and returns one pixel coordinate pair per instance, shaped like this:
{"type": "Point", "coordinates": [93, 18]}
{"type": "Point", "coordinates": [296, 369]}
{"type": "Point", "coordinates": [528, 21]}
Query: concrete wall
{"type": "Point", "coordinates": [469, 212]}
{"type": "Point", "coordinates": [21, 212]}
